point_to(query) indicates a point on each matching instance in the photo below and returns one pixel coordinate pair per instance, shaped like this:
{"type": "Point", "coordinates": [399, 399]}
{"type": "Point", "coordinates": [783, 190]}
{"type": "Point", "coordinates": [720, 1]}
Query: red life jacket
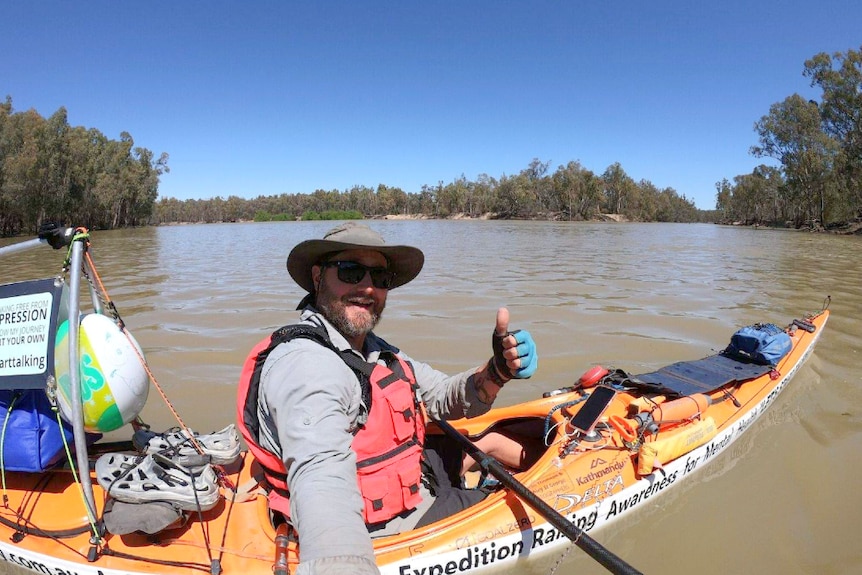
{"type": "Point", "coordinates": [388, 445]}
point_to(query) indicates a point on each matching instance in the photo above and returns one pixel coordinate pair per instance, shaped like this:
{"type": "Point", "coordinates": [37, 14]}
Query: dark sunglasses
{"type": "Point", "coordinates": [353, 273]}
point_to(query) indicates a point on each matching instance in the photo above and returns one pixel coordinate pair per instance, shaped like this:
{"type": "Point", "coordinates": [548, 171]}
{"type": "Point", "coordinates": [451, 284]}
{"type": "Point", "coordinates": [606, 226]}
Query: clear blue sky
{"type": "Point", "coordinates": [262, 98]}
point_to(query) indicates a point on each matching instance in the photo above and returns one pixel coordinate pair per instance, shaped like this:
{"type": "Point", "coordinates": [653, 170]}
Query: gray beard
{"type": "Point", "coordinates": [333, 311]}
{"type": "Point", "coordinates": [349, 329]}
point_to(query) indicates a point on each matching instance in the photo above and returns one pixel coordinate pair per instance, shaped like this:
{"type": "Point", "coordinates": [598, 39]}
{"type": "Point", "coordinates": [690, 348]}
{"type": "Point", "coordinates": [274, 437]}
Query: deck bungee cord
{"type": "Point", "coordinates": [6, 419]}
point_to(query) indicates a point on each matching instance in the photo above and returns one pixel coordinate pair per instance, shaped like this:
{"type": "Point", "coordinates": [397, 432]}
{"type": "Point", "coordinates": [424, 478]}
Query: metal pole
{"type": "Point", "coordinates": [75, 379]}
{"type": "Point", "coordinates": [20, 246]}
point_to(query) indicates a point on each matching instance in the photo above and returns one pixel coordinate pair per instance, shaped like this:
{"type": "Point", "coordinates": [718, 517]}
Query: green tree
{"type": "Point", "coordinates": [539, 187]}
{"type": "Point", "coordinates": [453, 198]}
{"type": "Point", "coordinates": [512, 198]}
{"type": "Point", "coordinates": [840, 78]}
{"type": "Point", "coordinates": [723, 197]}
{"type": "Point", "coordinates": [362, 199]}
{"type": "Point", "coordinates": [792, 134]}
{"type": "Point", "coordinates": [483, 194]}
{"type": "Point", "coordinates": [577, 192]}
{"type": "Point", "coordinates": [618, 187]}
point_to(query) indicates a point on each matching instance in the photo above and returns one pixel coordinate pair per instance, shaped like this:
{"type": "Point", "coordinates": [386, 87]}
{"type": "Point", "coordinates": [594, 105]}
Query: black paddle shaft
{"type": "Point", "coordinates": [578, 536]}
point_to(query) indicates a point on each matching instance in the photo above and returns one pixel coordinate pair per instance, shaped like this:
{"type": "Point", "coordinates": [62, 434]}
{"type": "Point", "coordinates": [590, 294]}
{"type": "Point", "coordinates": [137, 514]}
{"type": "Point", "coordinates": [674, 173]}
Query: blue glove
{"type": "Point", "coordinates": [526, 351]}
{"type": "Point", "coordinates": [528, 354]}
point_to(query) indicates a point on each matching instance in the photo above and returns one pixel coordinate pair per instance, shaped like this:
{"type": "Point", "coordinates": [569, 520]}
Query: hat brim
{"type": "Point", "coordinates": [405, 261]}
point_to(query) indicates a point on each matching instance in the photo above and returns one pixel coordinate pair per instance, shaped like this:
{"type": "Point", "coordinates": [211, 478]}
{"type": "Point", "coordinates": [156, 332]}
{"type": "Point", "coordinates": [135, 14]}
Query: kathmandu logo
{"type": "Point", "coordinates": [600, 468]}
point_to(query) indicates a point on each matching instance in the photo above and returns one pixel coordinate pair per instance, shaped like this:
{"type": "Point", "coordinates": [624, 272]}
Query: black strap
{"type": "Point", "coordinates": [361, 368]}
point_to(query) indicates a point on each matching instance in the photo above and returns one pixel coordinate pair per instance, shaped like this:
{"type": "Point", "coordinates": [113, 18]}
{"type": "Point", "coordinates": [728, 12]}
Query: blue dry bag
{"type": "Point", "coordinates": [763, 343]}
{"type": "Point", "coordinates": [32, 439]}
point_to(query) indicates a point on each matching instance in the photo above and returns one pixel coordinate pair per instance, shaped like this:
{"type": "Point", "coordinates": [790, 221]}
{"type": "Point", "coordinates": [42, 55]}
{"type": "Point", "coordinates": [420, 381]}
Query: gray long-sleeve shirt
{"type": "Point", "coordinates": [308, 407]}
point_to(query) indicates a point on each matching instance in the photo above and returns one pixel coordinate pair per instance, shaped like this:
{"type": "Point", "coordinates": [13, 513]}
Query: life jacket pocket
{"type": "Point", "coordinates": [391, 489]}
{"type": "Point", "coordinates": [403, 411]}
{"type": "Point", "coordinates": [375, 492]}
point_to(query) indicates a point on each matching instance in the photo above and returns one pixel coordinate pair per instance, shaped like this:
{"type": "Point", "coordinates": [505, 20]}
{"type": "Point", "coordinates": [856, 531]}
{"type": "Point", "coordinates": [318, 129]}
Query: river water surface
{"type": "Point", "coordinates": [784, 499]}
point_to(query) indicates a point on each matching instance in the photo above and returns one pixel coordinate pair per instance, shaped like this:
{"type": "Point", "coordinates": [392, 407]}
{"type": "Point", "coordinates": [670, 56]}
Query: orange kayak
{"type": "Point", "coordinates": [642, 438]}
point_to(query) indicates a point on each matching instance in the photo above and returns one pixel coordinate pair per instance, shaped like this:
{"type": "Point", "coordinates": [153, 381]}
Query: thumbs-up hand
{"type": "Point", "coordinates": [515, 353]}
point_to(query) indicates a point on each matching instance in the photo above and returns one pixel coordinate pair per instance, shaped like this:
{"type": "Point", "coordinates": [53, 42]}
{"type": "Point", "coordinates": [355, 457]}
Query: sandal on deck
{"type": "Point", "coordinates": [223, 447]}
{"type": "Point", "coordinates": [142, 479]}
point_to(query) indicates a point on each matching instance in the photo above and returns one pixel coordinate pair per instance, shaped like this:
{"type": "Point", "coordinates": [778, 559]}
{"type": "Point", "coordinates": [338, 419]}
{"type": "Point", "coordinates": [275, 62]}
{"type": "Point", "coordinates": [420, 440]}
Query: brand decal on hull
{"type": "Point", "coordinates": [481, 537]}
{"type": "Point", "coordinates": [599, 473]}
{"type": "Point", "coordinates": [483, 555]}
{"type": "Point", "coordinates": [39, 566]}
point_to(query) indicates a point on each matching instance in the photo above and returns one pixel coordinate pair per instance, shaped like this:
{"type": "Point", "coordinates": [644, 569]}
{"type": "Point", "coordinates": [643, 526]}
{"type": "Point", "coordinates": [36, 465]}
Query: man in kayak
{"type": "Point", "coordinates": [334, 414]}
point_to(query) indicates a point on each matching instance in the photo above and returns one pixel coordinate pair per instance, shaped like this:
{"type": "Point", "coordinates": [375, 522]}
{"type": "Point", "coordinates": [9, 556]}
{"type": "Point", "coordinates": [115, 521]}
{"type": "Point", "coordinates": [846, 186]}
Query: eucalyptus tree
{"type": "Point", "coordinates": [618, 187]}
{"type": "Point", "coordinates": [746, 204]}
{"type": "Point", "coordinates": [454, 198]}
{"type": "Point", "coordinates": [399, 200]}
{"type": "Point", "coordinates": [840, 77]}
{"type": "Point", "coordinates": [565, 186]}
{"type": "Point", "coordinates": [792, 134]}
{"type": "Point", "coordinates": [537, 184]}
{"type": "Point", "coordinates": [651, 205]}
{"type": "Point", "coordinates": [25, 167]}
{"type": "Point", "coordinates": [51, 170]}
{"type": "Point", "coordinates": [484, 190]}
{"type": "Point", "coordinates": [390, 200]}
{"type": "Point", "coordinates": [425, 202]}
{"type": "Point", "coordinates": [577, 192]}
{"type": "Point", "coordinates": [362, 199]}
{"type": "Point", "coordinates": [770, 186]}
{"type": "Point", "coordinates": [513, 197]}
{"type": "Point", "coordinates": [723, 201]}
{"type": "Point", "coordinates": [236, 209]}
{"type": "Point", "coordinates": [755, 198]}
{"type": "Point", "coordinates": [319, 201]}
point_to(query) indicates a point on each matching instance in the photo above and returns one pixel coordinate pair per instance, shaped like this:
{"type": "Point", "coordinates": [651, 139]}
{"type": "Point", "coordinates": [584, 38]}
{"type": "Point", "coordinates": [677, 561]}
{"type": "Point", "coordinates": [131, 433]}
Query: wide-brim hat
{"type": "Point", "coordinates": [405, 261]}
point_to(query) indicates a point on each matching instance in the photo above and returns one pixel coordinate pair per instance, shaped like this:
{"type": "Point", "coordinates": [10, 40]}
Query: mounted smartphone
{"type": "Point", "coordinates": [588, 416]}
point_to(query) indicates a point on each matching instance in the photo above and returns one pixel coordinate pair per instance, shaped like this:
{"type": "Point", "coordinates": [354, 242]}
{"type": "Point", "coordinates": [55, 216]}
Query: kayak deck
{"type": "Point", "coordinates": [590, 479]}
